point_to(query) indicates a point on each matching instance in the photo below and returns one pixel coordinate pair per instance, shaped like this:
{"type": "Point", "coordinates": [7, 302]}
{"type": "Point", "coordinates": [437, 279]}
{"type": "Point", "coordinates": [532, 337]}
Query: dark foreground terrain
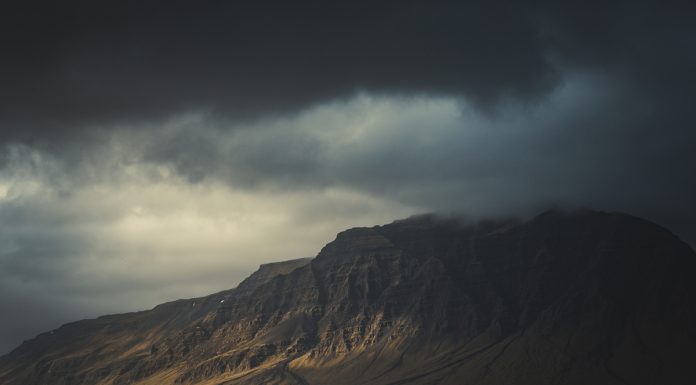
{"type": "Point", "coordinates": [565, 298]}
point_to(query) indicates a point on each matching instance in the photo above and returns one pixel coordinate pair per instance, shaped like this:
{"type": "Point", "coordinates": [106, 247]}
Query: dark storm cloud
{"type": "Point", "coordinates": [71, 63]}
{"type": "Point", "coordinates": [72, 71]}
{"type": "Point", "coordinates": [70, 66]}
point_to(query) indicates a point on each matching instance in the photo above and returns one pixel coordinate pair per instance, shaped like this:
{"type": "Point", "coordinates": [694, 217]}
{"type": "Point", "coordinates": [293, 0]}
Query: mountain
{"type": "Point", "coordinates": [579, 297]}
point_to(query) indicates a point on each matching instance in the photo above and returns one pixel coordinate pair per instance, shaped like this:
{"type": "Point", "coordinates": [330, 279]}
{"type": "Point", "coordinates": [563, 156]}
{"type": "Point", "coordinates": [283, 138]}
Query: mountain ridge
{"type": "Point", "coordinates": [565, 297]}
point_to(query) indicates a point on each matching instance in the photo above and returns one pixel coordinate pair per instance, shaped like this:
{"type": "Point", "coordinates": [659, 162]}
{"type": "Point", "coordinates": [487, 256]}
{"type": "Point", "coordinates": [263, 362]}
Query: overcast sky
{"type": "Point", "coordinates": [155, 150]}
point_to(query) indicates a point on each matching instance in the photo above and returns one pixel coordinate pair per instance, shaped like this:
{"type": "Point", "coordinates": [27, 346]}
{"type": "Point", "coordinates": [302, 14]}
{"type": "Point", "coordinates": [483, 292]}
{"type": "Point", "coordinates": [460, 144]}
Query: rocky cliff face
{"type": "Point", "coordinates": [565, 298]}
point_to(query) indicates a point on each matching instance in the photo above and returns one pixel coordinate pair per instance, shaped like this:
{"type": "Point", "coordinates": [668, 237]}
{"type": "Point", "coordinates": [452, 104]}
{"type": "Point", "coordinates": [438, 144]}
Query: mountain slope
{"type": "Point", "coordinates": [565, 298]}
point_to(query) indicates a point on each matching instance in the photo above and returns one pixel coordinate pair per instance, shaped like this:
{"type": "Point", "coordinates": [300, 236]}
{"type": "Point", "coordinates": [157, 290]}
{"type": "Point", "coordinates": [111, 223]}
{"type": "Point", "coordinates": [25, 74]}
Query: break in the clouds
{"type": "Point", "coordinates": [156, 150]}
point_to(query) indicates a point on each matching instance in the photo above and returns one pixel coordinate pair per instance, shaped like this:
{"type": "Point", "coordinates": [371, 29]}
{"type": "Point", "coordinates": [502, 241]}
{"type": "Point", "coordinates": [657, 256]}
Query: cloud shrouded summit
{"type": "Point", "coordinates": [168, 148]}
